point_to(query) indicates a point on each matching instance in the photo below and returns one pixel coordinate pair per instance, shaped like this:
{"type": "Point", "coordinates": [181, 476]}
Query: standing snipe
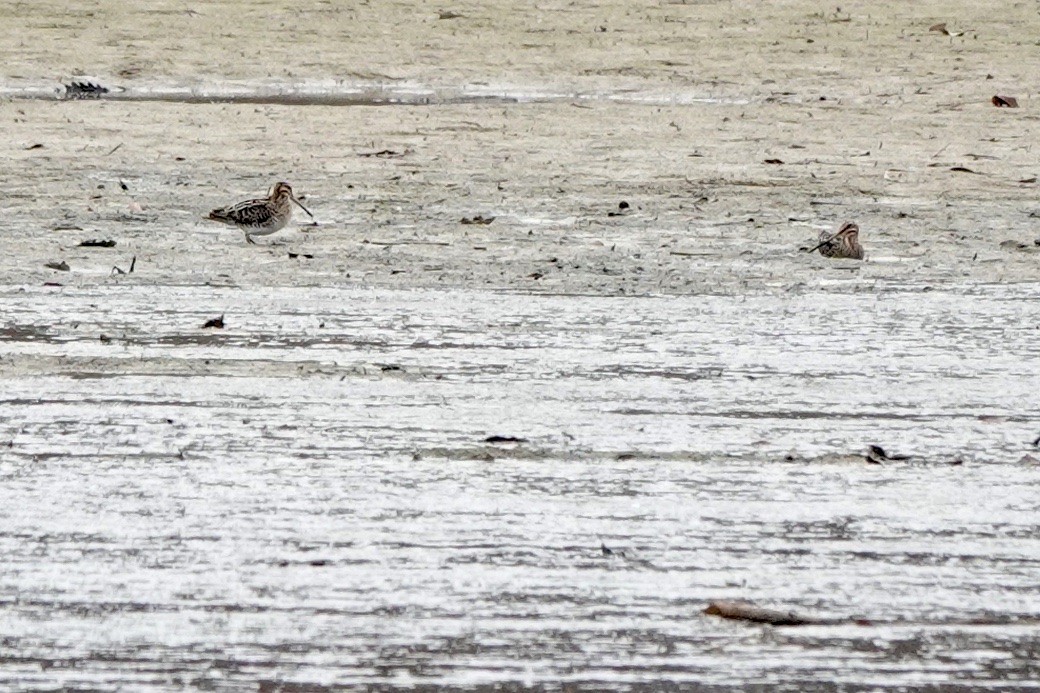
{"type": "Point", "coordinates": [263, 216]}
{"type": "Point", "coordinates": [843, 243]}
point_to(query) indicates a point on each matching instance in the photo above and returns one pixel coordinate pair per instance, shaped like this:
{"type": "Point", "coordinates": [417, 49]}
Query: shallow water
{"type": "Point", "coordinates": [307, 496]}
{"type": "Point", "coordinates": [354, 93]}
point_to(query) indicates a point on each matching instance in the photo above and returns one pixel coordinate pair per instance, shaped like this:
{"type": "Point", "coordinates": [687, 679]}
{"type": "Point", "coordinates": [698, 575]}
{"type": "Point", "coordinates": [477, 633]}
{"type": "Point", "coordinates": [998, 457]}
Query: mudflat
{"type": "Point", "coordinates": [734, 135]}
{"type": "Point", "coordinates": [551, 371]}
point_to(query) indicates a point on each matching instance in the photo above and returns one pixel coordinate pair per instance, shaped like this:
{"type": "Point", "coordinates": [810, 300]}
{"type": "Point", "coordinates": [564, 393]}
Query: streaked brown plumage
{"type": "Point", "coordinates": [262, 216]}
{"type": "Point", "coordinates": [844, 243]}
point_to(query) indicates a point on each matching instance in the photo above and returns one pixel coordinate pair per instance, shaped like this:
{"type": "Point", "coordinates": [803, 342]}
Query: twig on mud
{"type": "Point", "coordinates": [385, 154]}
{"type": "Point", "coordinates": [876, 455]}
{"type": "Point", "coordinates": [389, 243]}
{"type": "Point", "coordinates": [118, 270]}
{"type": "Point", "coordinates": [745, 611]}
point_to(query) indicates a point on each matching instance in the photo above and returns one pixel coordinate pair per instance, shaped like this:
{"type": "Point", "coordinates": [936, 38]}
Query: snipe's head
{"type": "Point", "coordinates": [282, 193]}
{"type": "Point", "coordinates": [848, 233]}
{"type": "Point", "coordinates": [843, 243]}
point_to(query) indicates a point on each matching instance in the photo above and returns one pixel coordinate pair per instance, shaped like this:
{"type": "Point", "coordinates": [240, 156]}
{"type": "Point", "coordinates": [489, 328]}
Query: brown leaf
{"type": "Point", "coordinates": [217, 323]}
{"type": "Point", "coordinates": [773, 161]}
{"type": "Point", "coordinates": [1028, 180]}
{"type": "Point", "coordinates": [963, 169]}
{"type": "Point", "coordinates": [61, 266]}
{"type": "Point", "coordinates": [34, 146]}
{"type": "Point", "coordinates": [1005, 101]}
{"type": "Point", "coordinates": [479, 220]}
{"type": "Point", "coordinates": [941, 28]}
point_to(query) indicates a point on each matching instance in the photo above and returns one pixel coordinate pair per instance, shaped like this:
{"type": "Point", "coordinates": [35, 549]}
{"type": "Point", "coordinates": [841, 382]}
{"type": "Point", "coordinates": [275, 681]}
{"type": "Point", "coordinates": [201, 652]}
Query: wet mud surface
{"type": "Point", "coordinates": [551, 372]}
{"type": "Point", "coordinates": [309, 497]}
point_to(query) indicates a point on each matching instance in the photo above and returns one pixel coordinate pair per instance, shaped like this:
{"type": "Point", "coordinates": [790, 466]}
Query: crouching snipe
{"type": "Point", "coordinates": [842, 244]}
{"type": "Point", "coordinates": [263, 216]}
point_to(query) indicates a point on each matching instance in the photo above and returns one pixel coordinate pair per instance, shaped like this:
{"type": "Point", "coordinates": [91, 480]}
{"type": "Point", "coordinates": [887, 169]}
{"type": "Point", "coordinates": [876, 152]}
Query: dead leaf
{"type": "Point", "coordinates": [773, 161]}
{"type": "Point", "coordinates": [963, 169]}
{"type": "Point", "coordinates": [479, 220]}
{"type": "Point", "coordinates": [60, 266]}
{"type": "Point", "coordinates": [1028, 180]}
{"type": "Point", "coordinates": [34, 146]}
{"type": "Point", "coordinates": [1005, 101]}
{"type": "Point", "coordinates": [504, 439]}
{"type": "Point", "coordinates": [217, 323]}
{"type": "Point", "coordinates": [941, 28]}
{"type": "Point", "coordinates": [97, 243]}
